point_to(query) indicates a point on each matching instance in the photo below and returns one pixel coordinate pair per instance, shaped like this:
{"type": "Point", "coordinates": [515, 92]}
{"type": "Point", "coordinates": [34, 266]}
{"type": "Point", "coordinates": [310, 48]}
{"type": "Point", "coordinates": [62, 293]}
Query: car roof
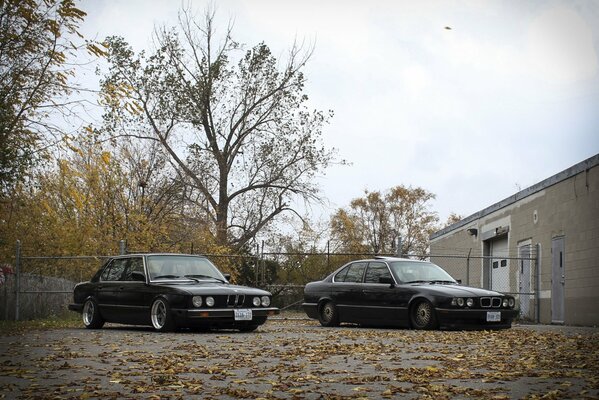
{"type": "Point", "coordinates": [386, 258]}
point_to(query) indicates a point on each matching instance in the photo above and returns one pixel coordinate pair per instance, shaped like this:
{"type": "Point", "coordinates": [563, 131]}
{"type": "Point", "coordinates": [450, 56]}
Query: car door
{"type": "Point", "coordinates": [379, 296]}
{"type": "Point", "coordinates": [133, 293]}
{"type": "Point", "coordinates": [109, 288]}
{"type": "Point", "coordinates": [347, 291]}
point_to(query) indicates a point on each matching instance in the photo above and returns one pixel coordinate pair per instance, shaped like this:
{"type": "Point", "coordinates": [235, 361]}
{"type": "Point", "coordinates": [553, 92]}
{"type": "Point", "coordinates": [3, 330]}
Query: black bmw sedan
{"type": "Point", "coordinates": [406, 293]}
{"type": "Point", "coordinates": [168, 291]}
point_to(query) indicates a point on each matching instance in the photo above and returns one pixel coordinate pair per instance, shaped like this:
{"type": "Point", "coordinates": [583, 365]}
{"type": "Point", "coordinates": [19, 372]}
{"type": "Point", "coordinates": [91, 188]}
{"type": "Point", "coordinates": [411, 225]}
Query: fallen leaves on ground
{"type": "Point", "coordinates": [296, 359]}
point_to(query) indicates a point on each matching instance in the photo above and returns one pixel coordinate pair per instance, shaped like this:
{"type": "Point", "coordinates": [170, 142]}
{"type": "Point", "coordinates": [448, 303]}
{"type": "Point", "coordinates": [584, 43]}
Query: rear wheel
{"type": "Point", "coordinates": [161, 316]}
{"type": "Point", "coordinates": [328, 315]}
{"type": "Point", "coordinates": [91, 315]}
{"type": "Point", "coordinates": [423, 316]}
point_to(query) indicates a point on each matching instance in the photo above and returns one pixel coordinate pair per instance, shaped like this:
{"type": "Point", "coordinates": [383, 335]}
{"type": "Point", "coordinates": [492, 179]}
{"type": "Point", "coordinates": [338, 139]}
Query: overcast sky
{"type": "Point", "coordinates": [504, 98]}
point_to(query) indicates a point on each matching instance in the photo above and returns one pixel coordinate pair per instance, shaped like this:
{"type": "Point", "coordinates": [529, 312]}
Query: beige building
{"type": "Point", "coordinates": [542, 244]}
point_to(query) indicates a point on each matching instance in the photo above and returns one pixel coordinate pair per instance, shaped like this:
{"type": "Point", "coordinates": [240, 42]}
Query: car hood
{"type": "Point", "coordinates": [455, 290]}
{"type": "Point", "coordinates": [212, 288]}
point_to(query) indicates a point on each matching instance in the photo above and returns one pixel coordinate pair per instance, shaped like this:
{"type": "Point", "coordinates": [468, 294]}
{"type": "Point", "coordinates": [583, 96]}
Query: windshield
{"type": "Point", "coordinates": [177, 267]}
{"type": "Point", "coordinates": [407, 271]}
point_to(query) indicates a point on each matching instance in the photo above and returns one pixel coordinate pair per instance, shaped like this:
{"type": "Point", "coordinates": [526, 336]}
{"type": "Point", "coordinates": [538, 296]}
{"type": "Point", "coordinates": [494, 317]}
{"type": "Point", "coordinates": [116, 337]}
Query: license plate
{"type": "Point", "coordinates": [243, 314]}
{"type": "Point", "coordinates": [492, 316]}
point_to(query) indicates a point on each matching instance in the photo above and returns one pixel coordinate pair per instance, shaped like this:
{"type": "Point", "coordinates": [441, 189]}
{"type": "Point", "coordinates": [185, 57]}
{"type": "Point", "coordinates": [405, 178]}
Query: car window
{"type": "Point", "coordinates": [355, 272]}
{"type": "Point", "coordinates": [115, 270]}
{"type": "Point", "coordinates": [375, 271]}
{"type": "Point", "coordinates": [340, 277]}
{"type": "Point", "coordinates": [182, 268]}
{"type": "Point", "coordinates": [135, 270]}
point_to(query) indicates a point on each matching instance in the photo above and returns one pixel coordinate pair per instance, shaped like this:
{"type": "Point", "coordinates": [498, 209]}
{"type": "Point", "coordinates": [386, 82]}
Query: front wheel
{"type": "Point", "coordinates": [328, 315]}
{"type": "Point", "coordinates": [161, 316]}
{"type": "Point", "coordinates": [91, 315]}
{"type": "Point", "coordinates": [422, 315]}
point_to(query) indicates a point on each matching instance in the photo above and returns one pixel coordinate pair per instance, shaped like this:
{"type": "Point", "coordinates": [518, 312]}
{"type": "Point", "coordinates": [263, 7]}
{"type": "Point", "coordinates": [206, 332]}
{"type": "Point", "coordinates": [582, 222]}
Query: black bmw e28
{"type": "Point", "coordinates": [407, 293]}
{"type": "Point", "coordinates": [168, 291]}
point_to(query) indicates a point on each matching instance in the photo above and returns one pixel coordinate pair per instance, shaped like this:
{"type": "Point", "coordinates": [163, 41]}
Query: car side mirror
{"type": "Point", "coordinates": [387, 280]}
{"type": "Point", "coordinates": [227, 277]}
{"type": "Point", "coordinates": [459, 281]}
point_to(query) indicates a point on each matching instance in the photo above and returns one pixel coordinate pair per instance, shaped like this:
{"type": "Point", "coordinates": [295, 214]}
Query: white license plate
{"type": "Point", "coordinates": [492, 316]}
{"type": "Point", "coordinates": [243, 314]}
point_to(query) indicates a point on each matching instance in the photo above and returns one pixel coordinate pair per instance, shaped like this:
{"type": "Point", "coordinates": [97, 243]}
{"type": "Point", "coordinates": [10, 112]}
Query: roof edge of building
{"type": "Point", "coordinates": [552, 180]}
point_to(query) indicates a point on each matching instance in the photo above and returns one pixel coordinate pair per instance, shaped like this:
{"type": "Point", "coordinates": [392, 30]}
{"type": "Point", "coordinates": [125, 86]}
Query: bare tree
{"type": "Point", "coordinates": [238, 132]}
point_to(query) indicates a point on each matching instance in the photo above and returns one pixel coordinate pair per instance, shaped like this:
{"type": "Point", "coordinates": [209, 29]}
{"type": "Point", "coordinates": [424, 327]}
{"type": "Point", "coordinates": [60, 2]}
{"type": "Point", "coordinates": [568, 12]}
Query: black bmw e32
{"type": "Point", "coordinates": [168, 291]}
{"type": "Point", "coordinates": [406, 293]}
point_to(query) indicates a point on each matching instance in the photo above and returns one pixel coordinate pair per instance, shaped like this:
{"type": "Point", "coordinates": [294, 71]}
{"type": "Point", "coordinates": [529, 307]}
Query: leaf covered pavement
{"type": "Point", "coordinates": [298, 359]}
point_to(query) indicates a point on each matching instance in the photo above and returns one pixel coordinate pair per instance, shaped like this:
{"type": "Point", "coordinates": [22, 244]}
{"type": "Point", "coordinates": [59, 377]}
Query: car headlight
{"type": "Point", "coordinates": [511, 303]}
{"type": "Point", "coordinates": [265, 301]}
{"type": "Point", "coordinates": [196, 301]}
{"type": "Point", "coordinates": [505, 303]}
{"type": "Point", "coordinates": [470, 302]}
{"type": "Point", "coordinates": [209, 301]}
{"type": "Point", "coordinates": [256, 301]}
{"type": "Point", "coordinates": [460, 302]}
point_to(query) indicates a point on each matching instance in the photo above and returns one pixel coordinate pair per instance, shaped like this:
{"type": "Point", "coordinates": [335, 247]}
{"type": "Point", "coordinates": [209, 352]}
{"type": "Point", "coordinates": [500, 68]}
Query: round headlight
{"type": "Point", "coordinates": [209, 301]}
{"type": "Point", "coordinates": [256, 301]}
{"type": "Point", "coordinates": [460, 302]}
{"type": "Point", "coordinates": [511, 303]}
{"type": "Point", "coordinates": [265, 301]}
{"type": "Point", "coordinates": [197, 301]}
{"type": "Point", "coordinates": [505, 303]}
{"type": "Point", "coordinates": [470, 302]}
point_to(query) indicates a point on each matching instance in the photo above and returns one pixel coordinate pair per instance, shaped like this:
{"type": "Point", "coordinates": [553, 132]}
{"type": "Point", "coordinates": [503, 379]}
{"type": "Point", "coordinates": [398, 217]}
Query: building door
{"type": "Point", "coordinates": [558, 280]}
{"type": "Point", "coordinates": [500, 269]}
{"type": "Point", "coordinates": [524, 288]}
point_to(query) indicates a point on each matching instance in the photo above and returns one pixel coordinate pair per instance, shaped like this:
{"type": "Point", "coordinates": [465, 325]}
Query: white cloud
{"type": "Point", "coordinates": [560, 46]}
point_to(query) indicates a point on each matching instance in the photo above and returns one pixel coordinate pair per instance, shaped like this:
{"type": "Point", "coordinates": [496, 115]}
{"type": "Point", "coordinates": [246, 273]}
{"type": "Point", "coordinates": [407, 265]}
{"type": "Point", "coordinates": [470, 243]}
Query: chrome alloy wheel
{"type": "Point", "coordinates": [328, 312]}
{"type": "Point", "coordinates": [158, 314]}
{"type": "Point", "coordinates": [88, 312]}
{"type": "Point", "coordinates": [423, 314]}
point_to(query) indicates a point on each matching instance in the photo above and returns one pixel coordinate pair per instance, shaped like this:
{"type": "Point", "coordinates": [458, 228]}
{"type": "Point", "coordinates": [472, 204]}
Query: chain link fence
{"type": "Point", "coordinates": [42, 286]}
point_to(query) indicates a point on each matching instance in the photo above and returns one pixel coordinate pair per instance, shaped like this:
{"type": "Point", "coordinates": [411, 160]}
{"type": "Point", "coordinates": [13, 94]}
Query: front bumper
{"type": "Point", "coordinates": [221, 316]}
{"type": "Point", "coordinates": [474, 319]}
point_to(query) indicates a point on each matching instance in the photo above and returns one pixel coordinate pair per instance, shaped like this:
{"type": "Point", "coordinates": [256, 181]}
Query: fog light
{"type": "Point", "coordinates": [470, 302]}
{"type": "Point", "coordinates": [197, 301]}
{"type": "Point", "coordinates": [460, 302]}
{"type": "Point", "coordinates": [256, 301]}
{"type": "Point", "coordinates": [209, 301]}
{"type": "Point", "coordinates": [505, 303]}
{"type": "Point", "coordinates": [265, 301]}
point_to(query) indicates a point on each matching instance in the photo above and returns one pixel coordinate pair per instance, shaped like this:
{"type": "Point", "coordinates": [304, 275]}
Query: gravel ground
{"type": "Point", "coordinates": [296, 358]}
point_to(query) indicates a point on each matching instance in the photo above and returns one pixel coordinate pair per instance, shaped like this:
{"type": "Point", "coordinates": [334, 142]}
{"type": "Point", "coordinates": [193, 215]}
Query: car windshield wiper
{"type": "Point", "coordinates": [166, 277]}
{"type": "Point", "coordinates": [419, 282]}
{"type": "Point", "coordinates": [444, 282]}
{"type": "Point", "coordinates": [196, 276]}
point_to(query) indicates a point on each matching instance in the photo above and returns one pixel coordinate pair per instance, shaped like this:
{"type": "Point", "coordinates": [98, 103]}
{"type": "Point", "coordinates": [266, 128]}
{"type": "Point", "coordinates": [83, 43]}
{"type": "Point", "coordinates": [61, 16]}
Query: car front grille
{"type": "Point", "coordinates": [235, 300]}
{"type": "Point", "coordinates": [488, 302]}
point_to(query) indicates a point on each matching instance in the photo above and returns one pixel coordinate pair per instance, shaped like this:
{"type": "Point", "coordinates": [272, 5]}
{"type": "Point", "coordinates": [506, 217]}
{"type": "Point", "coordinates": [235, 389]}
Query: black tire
{"type": "Point", "coordinates": [328, 315]}
{"type": "Point", "coordinates": [91, 315]}
{"type": "Point", "coordinates": [423, 315]}
{"type": "Point", "coordinates": [161, 316]}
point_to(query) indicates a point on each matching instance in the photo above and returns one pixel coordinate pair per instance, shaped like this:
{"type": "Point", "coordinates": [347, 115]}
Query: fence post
{"type": "Point", "coordinates": [537, 285]}
{"type": "Point", "coordinates": [398, 250]}
{"type": "Point", "coordinates": [468, 268]}
{"type": "Point", "coordinates": [263, 265]}
{"type": "Point", "coordinates": [328, 256]}
{"type": "Point", "coordinates": [122, 247]}
{"type": "Point", "coordinates": [257, 263]}
{"type": "Point", "coordinates": [17, 279]}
